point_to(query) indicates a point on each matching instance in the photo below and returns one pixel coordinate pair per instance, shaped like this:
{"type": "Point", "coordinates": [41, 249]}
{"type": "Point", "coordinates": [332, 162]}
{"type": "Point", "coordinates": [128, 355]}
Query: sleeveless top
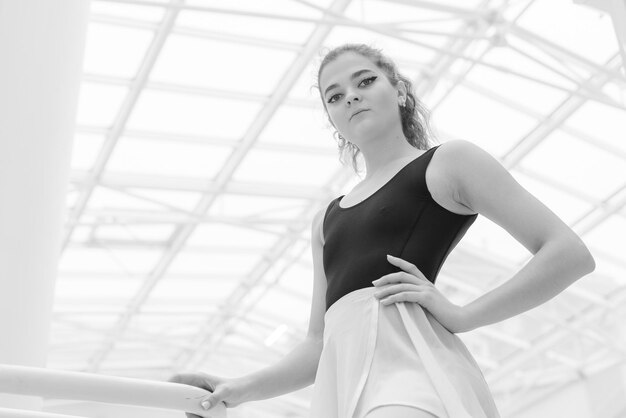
{"type": "Point", "coordinates": [401, 219]}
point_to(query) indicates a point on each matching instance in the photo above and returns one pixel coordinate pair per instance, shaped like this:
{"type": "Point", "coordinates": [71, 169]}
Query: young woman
{"type": "Point", "coordinates": [381, 339]}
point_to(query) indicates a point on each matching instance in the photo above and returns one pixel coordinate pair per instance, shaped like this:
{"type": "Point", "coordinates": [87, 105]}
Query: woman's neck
{"type": "Point", "coordinates": [379, 163]}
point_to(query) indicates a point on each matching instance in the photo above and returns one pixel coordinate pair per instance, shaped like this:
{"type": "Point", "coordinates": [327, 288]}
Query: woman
{"type": "Point", "coordinates": [381, 340]}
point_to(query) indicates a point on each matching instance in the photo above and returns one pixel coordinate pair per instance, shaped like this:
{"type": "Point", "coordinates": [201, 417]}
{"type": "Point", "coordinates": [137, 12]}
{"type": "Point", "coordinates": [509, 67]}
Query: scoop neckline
{"type": "Point", "coordinates": [383, 186]}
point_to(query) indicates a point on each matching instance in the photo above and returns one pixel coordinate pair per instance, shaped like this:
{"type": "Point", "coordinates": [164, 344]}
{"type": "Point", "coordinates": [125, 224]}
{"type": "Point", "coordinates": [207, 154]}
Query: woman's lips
{"type": "Point", "coordinates": [358, 113]}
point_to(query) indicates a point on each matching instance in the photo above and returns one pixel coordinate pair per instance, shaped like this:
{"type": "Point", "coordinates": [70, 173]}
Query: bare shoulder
{"type": "Point", "coordinates": [487, 187]}
{"type": "Point", "coordinates": [441, 176]}
{"type": "Point", "coordinates": [317, 230]}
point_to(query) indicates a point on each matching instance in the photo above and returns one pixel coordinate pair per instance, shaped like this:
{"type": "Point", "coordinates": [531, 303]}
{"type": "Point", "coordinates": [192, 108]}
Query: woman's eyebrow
{"type": "Point", "coordinates": [352, 77]}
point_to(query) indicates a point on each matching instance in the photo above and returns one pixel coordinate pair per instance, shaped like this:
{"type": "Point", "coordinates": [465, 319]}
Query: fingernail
{"type": "Point", "coordinates": [206, 404]}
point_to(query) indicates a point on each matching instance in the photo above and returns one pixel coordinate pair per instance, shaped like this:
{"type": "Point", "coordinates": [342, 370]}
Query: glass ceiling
{"type": "Point", "coordinates": [202, 153]}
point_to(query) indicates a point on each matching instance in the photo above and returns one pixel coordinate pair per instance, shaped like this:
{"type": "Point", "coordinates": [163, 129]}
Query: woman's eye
{"type": "Point", "coordinates": [370, 78]}
{"type": "Point", "coordinates": [363, 81]}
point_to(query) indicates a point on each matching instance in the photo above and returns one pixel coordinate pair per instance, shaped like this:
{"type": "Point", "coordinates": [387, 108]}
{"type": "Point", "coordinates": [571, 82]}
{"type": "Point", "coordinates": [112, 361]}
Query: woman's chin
{"type": "Point", "coordinates": [362, 125]}
{"type": "Point", "coordinates": [365, 129]}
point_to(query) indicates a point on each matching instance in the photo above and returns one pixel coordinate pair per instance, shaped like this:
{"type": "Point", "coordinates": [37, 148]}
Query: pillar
{"type": "Point", "coordinates": [41, 54]}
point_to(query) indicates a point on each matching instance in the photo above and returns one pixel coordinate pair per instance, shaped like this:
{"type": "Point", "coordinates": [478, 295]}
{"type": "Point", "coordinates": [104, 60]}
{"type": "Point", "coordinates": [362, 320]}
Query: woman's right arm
{"type": "Point", "coordinates": [295, 371]}
{"type": "Point", "coordinates": [298, 368]}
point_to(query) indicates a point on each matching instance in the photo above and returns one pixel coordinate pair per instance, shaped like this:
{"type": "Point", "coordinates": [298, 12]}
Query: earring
{"type": "Point", "coordinates": [401, 102]}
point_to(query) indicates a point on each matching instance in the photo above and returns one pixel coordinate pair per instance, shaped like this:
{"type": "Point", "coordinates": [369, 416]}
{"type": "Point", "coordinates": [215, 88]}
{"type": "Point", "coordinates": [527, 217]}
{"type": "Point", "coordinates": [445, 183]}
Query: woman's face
{"type": "Point", "coordinates": [352, 83]}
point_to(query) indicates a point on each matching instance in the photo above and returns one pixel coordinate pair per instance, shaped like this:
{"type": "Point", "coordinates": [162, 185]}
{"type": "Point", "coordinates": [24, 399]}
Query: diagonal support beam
{"type": "Point", "coordinates": [120, 121]}
{"type": "Point", "coordinates": [182, 233]}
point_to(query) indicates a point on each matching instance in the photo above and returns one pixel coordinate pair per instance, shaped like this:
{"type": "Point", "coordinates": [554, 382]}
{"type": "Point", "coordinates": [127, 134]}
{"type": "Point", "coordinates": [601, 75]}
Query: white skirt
{"type": "Point", "coordinates": [397, 354]}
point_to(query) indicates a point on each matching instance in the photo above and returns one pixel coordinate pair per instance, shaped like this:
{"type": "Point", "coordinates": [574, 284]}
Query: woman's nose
{"type": "Point", "coordinates": [353, 98]}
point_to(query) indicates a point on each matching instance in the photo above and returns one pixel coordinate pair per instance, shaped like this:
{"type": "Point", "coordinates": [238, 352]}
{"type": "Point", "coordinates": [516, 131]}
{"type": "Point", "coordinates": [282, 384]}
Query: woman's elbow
{"type": "Point", "coordinates": [586, 258]}
{"type": "Point", "coordinates": [592, 263]}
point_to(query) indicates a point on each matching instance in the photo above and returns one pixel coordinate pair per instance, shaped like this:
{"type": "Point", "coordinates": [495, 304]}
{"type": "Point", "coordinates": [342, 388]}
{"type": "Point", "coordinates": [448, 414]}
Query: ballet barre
{"type": "Point", "coordinates": [21, 413]}
{"type": "Point", "coordinates": [59, 384]}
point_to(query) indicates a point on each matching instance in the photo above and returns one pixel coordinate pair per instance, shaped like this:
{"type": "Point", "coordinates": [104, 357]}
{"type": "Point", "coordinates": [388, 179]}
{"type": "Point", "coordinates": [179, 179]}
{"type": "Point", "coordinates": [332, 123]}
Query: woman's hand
{"type": "Point", "coordinates": [230, 391]}
{"type": "Point", "coordinates": [410, 285]}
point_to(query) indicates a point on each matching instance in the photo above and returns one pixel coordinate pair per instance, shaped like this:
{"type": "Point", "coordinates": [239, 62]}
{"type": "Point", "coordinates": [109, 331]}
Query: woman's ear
{"type": "Point", "coordinates": [402, 91]}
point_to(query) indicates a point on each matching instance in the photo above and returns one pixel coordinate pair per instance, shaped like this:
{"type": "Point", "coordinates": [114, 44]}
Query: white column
{"type": "Point", "coordinates": [41, 53]}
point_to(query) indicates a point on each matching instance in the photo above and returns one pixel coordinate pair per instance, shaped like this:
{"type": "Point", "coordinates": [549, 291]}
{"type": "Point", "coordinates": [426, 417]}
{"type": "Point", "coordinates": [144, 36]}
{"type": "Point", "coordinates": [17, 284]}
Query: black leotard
{"type": "Point", "coordinates": [401, 219]}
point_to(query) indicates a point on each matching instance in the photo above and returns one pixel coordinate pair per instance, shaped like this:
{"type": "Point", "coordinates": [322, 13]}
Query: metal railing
{"type": "Point", "coordinates": [58, 384]}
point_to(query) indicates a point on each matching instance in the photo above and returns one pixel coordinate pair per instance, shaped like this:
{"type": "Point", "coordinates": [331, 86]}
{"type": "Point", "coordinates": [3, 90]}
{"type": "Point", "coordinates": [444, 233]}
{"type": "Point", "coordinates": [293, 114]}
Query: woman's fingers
{"type": "Point", "coordinates": [421, 296]}
{"type": "Point", "coordinates": [410, 273]}
{"type": "Point", "coordinates": [392, 289]}
{"type": "Point", "coordinates": [408, 285]}
{"type": "Point", "coordinates": [212, 384]}
{"type": "Point", "coordinates": [386, 290]}
{"type": "Point", "coordinates": [400, 277]}
{"type": "Point", "coordinates": [193, 379]}
{"type": "Point", "coordinates": [397, 277]}
{"type": "Point", "coordinates": [406, 266]}
{"type": "Point", "coordinates": [186, 378]}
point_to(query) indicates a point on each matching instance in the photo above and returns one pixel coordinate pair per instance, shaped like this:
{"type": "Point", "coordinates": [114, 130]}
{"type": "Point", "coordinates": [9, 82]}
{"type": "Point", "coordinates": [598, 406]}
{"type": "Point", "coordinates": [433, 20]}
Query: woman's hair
{"type": "Point", "coordinates": [415, 117]}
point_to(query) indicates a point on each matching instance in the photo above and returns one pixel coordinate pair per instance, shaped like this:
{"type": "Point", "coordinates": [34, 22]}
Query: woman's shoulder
{"type": "Point", "coordinates": [441, 178]}
{"type": "Point", "coordinates": [457, 153]}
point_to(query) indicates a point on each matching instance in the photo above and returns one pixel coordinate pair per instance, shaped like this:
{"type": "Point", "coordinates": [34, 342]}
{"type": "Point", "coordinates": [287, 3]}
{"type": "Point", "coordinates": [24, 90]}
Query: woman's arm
{"type": "Point", "coordinates": [559, 255]}
{"type": "Point", "coordinates": [299, 368]}
{"type": "Point", "coordinates": [294, 371]}
{"type": "Point", "coordinates": [551, 270]}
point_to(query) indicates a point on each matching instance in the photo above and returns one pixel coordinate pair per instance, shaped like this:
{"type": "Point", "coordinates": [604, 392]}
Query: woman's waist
{"type": "Point", "coordinates": [348, 300]}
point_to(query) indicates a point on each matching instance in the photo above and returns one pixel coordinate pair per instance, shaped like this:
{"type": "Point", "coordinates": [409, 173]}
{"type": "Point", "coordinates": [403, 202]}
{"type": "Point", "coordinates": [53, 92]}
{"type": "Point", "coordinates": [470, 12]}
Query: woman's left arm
{"type": "Point", "coordinates": [559, 255]}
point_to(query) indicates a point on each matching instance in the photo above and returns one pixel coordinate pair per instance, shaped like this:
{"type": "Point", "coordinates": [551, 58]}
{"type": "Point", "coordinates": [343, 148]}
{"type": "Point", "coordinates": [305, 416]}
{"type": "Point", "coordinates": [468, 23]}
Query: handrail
{"type": "Point", "coordinates": [21, 413]}
{"type": "Point", "coordinates": [60, 384]}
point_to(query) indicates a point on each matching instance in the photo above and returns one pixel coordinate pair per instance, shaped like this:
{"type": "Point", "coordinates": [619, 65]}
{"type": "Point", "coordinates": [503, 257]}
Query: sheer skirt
{"type": "Point", "coordinates": [396, 354]}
